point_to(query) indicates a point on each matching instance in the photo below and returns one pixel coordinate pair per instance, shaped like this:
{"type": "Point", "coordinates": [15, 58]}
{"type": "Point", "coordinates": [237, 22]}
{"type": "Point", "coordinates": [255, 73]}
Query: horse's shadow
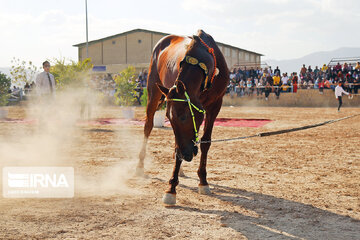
{"type": "Point", "coordinates": [264, 216]}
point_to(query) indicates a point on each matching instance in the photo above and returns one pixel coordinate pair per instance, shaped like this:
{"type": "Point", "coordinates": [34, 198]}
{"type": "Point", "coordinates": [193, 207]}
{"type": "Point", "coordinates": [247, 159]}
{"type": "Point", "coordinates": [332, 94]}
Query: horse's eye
{"type": "Point", "coordinates": [182, 118]}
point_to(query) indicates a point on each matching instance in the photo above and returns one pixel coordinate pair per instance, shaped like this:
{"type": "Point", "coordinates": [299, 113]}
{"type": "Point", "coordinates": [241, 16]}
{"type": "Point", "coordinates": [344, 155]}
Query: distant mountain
{"type": "Point", "coordinates": [313, 59]}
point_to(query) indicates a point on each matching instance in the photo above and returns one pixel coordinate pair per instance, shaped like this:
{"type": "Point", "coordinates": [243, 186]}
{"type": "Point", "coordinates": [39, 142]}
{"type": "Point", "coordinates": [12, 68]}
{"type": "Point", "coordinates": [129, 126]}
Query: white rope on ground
{"type": "Point", "coordinates": [265, 134]}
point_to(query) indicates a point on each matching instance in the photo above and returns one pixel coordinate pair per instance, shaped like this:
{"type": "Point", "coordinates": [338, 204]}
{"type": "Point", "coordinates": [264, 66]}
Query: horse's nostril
{"type": "Point", "coordinates": [188, 158]}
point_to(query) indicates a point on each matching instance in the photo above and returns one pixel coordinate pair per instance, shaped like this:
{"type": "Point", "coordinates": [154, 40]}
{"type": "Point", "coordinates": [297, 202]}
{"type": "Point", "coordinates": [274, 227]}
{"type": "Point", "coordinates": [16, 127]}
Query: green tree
{"type": "Point", "coordinates": [5, 83]}
{"type": "Point", "coordinates": [126, 84]}
{"type": "Point", "coordinates": [22, 72]}
{"type": "Point", "coordinates": [73, 74]}
{"type": "Point", "coordinates": [144, 98]}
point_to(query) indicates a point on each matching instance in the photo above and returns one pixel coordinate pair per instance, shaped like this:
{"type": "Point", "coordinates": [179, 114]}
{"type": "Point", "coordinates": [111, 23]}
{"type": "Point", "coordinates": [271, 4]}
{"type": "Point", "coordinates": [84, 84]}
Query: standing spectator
{"type": "Point", "coordinates": [284, 81]}
{"type": "Point", "coordinates": [270, 71]}
{"type": "Point", "coordinates": [316, 71]}
{"type": "Point", "coordinates": [277, 70]}
{"type": "Point", "coordinates": [309, 69]}
{"type": "Point", "coordinates": [303, 71]}
{"type": "Point", "coordinates": [258, 71]}
{"type": "Point", "coordinates": [277, 85]}
{"type": "Point", "coordinates": [337, 68]}
{"type": "Point", "coordinates": [246, 74]}
{"type": "Point", "coordinates": [45, 82]}
{"type": "Point", "coordinates": [345, 68]}
{"type": "Point", "coordinates": [338, 94]}
{"type": "Point", "coordinates": [295, 82]}
{"type": "Point", "coordinates": [357, 67]}
{"type": "Point", "coordinates": [324, 68]}
{"type": "Point", "coordinates": [252, 72]}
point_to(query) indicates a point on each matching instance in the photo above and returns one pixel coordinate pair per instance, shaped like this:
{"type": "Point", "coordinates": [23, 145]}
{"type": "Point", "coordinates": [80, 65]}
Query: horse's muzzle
{"type": "Point", "coordinates": [188, 154]}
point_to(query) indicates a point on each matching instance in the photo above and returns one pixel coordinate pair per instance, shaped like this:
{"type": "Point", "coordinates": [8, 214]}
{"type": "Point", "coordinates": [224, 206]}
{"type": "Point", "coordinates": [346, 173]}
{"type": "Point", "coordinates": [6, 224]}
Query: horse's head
{"type": "Point", "coordinates": [186, 115]}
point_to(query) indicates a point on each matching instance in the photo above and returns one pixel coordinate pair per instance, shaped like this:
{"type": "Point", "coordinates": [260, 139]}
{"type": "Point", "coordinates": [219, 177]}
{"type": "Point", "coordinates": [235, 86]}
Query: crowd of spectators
{"type": "Point", "coordinates": [248, 81]}
{"type": "Point", "coordinates": [260, 81]}
{"type": "Point", "coordinates": [329, 76]}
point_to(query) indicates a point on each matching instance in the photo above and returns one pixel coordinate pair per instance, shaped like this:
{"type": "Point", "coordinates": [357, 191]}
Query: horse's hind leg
{"type": "Point", "coordinates": [153, 101]}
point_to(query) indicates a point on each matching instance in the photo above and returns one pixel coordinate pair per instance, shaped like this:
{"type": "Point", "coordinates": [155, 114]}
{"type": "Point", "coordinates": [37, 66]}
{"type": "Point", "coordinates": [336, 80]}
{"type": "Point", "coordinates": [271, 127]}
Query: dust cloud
{"type": "Point", "coordinates": [58, 130]}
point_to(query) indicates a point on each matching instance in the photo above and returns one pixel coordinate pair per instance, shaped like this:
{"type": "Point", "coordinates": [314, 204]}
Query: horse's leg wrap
{"type": "Point", "coordinates": [169, 198]}
{"type": "Point", "coordinates": [170, 195]}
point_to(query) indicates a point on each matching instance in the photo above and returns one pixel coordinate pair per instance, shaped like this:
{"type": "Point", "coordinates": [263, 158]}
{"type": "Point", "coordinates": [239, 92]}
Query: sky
{"type": "Point", "coordinates": [34, 30]}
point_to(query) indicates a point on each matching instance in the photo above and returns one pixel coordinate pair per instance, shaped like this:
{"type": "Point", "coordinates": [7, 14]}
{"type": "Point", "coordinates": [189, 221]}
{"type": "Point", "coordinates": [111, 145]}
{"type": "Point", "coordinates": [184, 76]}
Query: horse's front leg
{"type": "Point", "coordinates": [211, 115]}
{"type": "Point", "coordinates": [170, 195]}
{"type": "Point", "coordinates": [203, 185]}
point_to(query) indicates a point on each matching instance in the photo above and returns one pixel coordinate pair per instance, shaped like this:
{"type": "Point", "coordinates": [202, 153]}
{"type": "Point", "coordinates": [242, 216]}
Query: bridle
{"type": "Point", "coordinates": [191, 106]}
{"type": "Point", "coordinates": [194, 61]}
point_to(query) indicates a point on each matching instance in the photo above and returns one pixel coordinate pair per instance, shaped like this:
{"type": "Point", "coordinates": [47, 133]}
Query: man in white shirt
{"type": "Point", "coordinates": [338, 94]}
{"type": "Point", "coordinates": [45, 82]}
{"type": "Point", "coordinates": [285, 79]}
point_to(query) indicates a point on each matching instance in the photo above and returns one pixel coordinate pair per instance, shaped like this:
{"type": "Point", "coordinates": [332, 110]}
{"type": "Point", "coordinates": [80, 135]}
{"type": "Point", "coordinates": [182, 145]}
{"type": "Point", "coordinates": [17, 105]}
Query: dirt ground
{"type": "Point", "coordinates": [300, 185]}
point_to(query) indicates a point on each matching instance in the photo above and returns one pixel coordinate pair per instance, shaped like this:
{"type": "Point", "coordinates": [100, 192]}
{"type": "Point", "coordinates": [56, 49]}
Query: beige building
{"type": "Point", "coordinates": [114, 53]}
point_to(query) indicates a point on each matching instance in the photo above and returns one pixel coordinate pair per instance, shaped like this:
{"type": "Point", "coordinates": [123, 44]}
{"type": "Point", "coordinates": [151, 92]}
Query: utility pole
{"type": "Point", "coordinates": [87, 40]}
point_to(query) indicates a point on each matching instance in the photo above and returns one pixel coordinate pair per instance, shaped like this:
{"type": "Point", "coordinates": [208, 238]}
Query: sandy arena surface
{"type": "Point", "coordinates": [300, 185]}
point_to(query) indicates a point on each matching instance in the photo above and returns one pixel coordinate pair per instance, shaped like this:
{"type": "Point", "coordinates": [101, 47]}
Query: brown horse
{"type": "Point", "coordinates": [191, 74]}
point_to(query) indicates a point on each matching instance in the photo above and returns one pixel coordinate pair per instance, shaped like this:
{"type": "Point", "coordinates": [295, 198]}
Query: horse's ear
{"type": "Point", "coordinates": [196, 38]}
{"type": "Point", "coordinates": [180, 87]}
{"type": "Point", "coordinates": [163, 89]}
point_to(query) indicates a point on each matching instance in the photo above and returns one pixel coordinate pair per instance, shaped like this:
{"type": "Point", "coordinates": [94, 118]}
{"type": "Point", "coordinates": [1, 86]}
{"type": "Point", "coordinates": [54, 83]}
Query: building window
{"type": "Point", "coordinates": [233, 53]}
{"type": "Point", "coordinates": [247, 57]}
{"type": "Point", "coordinates": [227, 52]}
{"type": "Point", "coordinates": [257, 59]}
{"type": "Point", "coordinates": [113, 42]}
{"type": "Point", "coordinates": [139, 41]}
{"type": "Point", "coordinates": [241, 55]}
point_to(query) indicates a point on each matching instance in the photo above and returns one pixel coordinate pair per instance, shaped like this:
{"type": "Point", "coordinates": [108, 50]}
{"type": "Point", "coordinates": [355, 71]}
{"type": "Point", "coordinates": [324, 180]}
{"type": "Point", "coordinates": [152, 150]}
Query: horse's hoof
{"type": "Point", "coordinates": [204, 189]}
{"type": "Point", "coordinates": [169, 199]}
